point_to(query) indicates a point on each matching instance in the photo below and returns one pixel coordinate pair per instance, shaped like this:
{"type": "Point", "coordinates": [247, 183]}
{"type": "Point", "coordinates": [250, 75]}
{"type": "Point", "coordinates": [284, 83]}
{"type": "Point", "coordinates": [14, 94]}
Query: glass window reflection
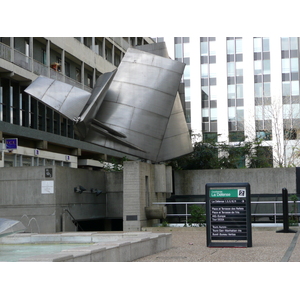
{"type": "Point", "coordinates": [212, 48]}
{"type": "Point", "coordinates": [257, 44]}
{"type": "Point", "coordinates": [294, 65]}
{"type": "Point", "coordinates": [204, 70]}
{"type": "Point", "coordinates": [294, 43]}
{"type": "Point", "coordinates": [295, 88]}
{"type": "Point", "coordinates": [266, 67]}
{"type": "Point", "coordinates": [230, 69]}
{"type": "Point", "coordinates": [266, 45]}
{"type": "Point", "coordinates": [285, 43]}
{"type": "Point", "coordinates": [204, 48]}
{"type": "Point", "coordinates": [230, 46]}
{"type": "Point", "coordinates": [239, 68]}
{"type": "Point", "coordinates": [239, 46]}
{"type": "Point", "coordinates": [285, 65]}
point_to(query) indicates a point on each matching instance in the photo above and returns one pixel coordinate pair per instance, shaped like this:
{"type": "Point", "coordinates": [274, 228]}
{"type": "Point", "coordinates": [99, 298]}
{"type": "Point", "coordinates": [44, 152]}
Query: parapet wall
{"type": "Point", "coordinates": [262, 181]}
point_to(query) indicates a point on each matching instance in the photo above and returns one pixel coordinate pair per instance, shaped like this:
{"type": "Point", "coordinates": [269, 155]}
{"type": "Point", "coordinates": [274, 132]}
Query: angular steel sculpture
{"type": "Point", "coordinates": [135, 109]}
{"type": "Point", "coordinates": [8, 226]}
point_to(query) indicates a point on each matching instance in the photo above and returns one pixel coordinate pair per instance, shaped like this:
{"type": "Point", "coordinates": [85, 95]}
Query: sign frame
{"type": "Point", "coordinates": [11, 144]}
{"type": "Point", "coordinates": [228, 215]}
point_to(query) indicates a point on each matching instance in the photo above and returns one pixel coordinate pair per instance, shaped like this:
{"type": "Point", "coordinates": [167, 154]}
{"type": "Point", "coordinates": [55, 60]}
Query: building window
{"type": "Point", "coordinates": [262, 87]}
{"type": "Point", "coordinates": [78, 75]}
{"type": "Point", "coordinates": [208, 53]}
{"type": "Point", "coordinates": [44, 57]}
{"type": "Point", "coordinates": [235, 89]}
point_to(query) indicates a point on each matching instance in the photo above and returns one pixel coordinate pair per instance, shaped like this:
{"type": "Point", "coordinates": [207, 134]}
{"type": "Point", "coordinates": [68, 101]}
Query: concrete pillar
{"type": "Point", "coordinates": [12, 46]}
{"type": "Point", "coordinates": [140, 189]}
{"type": "Point", "coordinates": [63, 63]}
{"type": "Point", "coordinates": [82, 74]}
{"type": "Point", "coordinates": [31, 53]}
{"type": "Point", "coordinates": [160, 178]}
{"type": "Point", "coordinates": [48, 57]}
{"type": "Point", "coordinates": [103, 48]}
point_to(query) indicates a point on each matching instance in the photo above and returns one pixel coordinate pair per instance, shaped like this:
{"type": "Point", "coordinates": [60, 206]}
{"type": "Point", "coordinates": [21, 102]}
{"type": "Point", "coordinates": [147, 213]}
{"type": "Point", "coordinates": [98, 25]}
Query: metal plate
{"type": "Point", "coordinates": [137, 107]}
{"type": "Point", "coordinates": [64, 98]}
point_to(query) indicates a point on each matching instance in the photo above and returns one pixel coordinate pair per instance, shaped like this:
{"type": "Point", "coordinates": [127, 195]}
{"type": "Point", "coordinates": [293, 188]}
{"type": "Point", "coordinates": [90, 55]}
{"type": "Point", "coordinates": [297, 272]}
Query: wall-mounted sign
{"type": "Point", "coordinates": [11, 144]}
{"type": "Point", "coordinates": [47, 187]}
{"type": "Point", "coordinates": [48, 172]}
{"type": "Point", "coordinates": [228, 215]}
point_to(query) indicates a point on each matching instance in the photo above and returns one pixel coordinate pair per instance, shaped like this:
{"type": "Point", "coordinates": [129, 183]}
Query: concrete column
{"type": "Point", "coordinates": [48, 57]}
{"type": "Point", "coordinates": [132, 201]}
{"type": "Point", "coordinates": [93, 44]}
{"type": "Point", "coordinates": [82, 74]}
{"type": "Point", "coordinates": [12, 46]}
{"type": "Point", "coordinates": [63, 62]}
{"type": "Point", "coordinates": [103, 48]}
{"type": "Point", "coordinates": [94, 77]}
{"type": "Point", "coordinates": [31, 53]}
{"type": "Point", "coordinates": [139, 193]}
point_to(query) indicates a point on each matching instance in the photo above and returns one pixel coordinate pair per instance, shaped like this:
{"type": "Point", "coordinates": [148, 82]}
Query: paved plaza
{"type": "Point", "coordinates": [189, 245]}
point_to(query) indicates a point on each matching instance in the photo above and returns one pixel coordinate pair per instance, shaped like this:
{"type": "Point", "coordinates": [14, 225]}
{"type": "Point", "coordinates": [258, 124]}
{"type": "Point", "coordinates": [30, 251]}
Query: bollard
{"type": "Point", "coordinates": [285, 211]}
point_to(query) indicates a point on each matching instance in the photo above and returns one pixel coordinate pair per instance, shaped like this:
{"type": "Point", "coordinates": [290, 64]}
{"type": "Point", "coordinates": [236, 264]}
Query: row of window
{"type": "Point", "coordinates": [262, 79]}
{"type": "Point", "coordinates": [17, 107]}
{"type": "Point", "coordinates": [18, 160]}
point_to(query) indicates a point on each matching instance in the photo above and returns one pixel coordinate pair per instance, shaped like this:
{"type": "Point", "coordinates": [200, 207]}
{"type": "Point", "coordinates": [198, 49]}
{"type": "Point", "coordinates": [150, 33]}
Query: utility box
{"type": "Point", "coordinates": [228, 215]}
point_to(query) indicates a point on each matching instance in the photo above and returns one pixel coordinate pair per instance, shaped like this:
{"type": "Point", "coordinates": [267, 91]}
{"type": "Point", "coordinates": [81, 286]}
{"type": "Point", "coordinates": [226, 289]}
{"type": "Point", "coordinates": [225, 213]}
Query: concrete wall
{"type": "Point", "coordinates": [39, 202]}
{"type": "Point", "coordinates": [262, 181]}
{"type": "Point", "coordinates": [43, 198]}
{"type": "Point", "coordinates": [114, 194]}
{"type": "Point", "coordinates": [144, 184]}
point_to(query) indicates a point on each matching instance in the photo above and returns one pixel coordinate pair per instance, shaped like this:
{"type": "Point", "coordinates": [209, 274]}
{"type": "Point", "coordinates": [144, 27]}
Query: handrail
{"type": "Point", "coordinates": [29, 63]}
{"type": "Point", "coordinates": [73, 219]}
{"type": "Point", "coordinates": [186, 214]}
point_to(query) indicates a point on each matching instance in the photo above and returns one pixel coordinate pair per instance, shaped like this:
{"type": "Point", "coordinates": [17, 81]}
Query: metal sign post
{"type": "Point", "coordinates": [228, 215]}
{"type": "Point", "coordinates": [285, 211]}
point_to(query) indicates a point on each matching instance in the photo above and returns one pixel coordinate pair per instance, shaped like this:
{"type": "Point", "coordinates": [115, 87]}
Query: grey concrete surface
{"type": "Point", "coordinates": [104, 246]}
{"type": "Point", "coordinates": [189, 245]}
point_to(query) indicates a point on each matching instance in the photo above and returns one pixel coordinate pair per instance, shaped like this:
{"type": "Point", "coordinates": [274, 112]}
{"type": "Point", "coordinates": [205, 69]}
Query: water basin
{"type": "Point", "coordinates": [14, 252]}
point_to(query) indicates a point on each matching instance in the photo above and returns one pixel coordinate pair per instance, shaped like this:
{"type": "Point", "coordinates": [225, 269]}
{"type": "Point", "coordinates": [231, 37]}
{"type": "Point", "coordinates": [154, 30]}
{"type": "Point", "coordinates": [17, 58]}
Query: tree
{"type": "Point", "coordinates": [213, 155]}
{"type": "Point", "coordinates": [285, 125]}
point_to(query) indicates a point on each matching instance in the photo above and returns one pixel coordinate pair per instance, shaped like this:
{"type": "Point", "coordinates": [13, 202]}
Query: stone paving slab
{"type": "Point", "coordinates": [190, 246]}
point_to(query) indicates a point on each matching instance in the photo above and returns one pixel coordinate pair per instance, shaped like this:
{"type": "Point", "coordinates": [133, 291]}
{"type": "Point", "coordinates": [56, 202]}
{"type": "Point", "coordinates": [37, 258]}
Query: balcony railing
{"type": "Point", "coordinates": [28, 63]}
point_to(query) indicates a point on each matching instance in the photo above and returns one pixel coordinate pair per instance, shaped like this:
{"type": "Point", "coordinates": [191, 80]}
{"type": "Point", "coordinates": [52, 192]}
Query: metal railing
{"type": "Point", "coordinates": [30, 64]}
{"type": "Point", "coordinates": [5, 52]}
{"type": "Point", "coordinates": [75, 222]}
{"type": "Point", "coordinates": [274, 212]}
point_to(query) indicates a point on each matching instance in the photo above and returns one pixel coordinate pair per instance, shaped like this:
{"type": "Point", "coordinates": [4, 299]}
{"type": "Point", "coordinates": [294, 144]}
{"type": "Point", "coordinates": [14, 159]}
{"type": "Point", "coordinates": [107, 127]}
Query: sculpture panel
{"type": "Point", "coordinates": [135, 109]}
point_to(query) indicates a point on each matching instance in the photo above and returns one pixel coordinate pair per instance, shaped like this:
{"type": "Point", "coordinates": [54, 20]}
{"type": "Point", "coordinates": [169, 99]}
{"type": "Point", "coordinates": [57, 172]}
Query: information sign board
{"type": "Point", "coordinates": [11, 144]}
{"type": "Point", "coordinates": [228, 215]}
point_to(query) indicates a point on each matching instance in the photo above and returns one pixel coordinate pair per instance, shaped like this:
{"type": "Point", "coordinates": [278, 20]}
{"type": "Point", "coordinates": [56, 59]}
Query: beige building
{"type": "Point", "coordinates": [44, 137]}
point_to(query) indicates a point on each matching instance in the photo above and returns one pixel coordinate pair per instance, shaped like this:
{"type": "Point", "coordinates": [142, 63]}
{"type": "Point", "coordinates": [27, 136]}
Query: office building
{"type": "Point", "coordinates": [45, 137]}
{"type": "Point", "coordinates": [240, 88]}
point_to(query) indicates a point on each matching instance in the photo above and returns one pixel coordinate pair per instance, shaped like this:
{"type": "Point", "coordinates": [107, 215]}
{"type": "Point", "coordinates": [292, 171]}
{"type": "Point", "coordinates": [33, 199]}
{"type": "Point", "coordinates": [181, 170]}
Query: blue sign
{"type": "Point", "coordinates": [11, 143]}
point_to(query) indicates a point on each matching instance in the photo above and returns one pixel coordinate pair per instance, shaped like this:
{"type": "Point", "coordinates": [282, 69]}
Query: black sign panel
{"type": "Point", "coordinates": [228, 215]}
{"type": "Point", "coordinates": [48, 172]}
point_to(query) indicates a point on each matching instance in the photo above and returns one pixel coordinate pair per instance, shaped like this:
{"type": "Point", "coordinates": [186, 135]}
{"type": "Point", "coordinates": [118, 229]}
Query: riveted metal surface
{"type": "Point", "coordinates": [65, 98]}
{"type": "Point", "coordinates": [135, 109]}
{"type": "Point", "coordinates": [151, 83]}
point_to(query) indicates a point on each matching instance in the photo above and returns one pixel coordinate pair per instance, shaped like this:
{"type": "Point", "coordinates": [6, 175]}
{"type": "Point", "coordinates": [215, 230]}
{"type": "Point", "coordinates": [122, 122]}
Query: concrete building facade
{"type": "Point", "coordinates": [44, 136]}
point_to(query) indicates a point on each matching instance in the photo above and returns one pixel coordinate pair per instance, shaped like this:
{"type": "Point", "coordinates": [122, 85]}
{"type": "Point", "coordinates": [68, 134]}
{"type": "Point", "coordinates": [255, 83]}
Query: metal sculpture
{"type": "Point", "coordinates": [135, 109]}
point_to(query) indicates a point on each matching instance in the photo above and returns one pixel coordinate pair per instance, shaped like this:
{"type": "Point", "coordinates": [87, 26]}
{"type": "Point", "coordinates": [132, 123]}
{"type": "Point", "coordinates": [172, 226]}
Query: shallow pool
{"type": "Point", "coordinates": [9, 253]}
